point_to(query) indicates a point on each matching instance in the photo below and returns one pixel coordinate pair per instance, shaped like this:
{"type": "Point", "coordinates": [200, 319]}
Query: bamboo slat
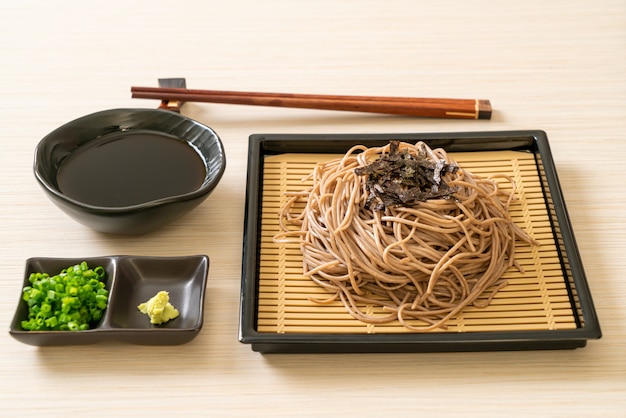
{"type": "Point", "coordinates": [535, 299]}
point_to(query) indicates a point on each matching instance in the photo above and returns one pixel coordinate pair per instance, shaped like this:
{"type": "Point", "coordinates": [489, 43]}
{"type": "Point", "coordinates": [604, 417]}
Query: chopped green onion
{"type": "Point", "coordinates": [73, 300]}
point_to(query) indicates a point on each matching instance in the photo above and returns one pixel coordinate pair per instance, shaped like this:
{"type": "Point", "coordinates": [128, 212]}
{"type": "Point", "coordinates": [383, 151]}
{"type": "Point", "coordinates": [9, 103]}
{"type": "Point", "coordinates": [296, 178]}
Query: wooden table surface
{"type": "Point", "coordinates": [558, 66]}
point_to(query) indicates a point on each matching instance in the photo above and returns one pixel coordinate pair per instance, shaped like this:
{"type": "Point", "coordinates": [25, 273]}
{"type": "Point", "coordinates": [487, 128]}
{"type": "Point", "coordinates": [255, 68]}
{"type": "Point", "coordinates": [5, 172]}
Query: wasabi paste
{"type": "Point", "coordinates": [159, 308]}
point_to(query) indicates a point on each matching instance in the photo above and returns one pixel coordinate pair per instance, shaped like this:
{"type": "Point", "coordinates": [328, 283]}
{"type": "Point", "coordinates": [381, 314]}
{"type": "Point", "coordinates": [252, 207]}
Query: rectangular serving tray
{"type": "Point", "coordinates": [578, 301]}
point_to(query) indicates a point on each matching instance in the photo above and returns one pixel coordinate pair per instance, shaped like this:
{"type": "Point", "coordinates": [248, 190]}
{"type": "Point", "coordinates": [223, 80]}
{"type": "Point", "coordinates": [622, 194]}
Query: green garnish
{"type": "Point", "coordinates": [69, 301]}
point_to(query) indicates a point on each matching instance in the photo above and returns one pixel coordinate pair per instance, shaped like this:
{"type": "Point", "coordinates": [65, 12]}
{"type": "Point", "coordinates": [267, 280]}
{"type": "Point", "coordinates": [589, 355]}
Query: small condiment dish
{"type": "Point", "coordinates": [116, 171]}
{"type": "Point", "coordinates": [131, 280]}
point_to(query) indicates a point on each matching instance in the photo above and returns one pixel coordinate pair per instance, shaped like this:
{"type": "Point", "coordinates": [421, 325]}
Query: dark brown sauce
{"type": "Point", "coordinates": [130, 168]}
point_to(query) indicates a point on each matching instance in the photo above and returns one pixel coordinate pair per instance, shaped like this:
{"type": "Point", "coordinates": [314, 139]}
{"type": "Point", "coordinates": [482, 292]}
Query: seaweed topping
{"type": "Point", "coordinates": [399, 178]}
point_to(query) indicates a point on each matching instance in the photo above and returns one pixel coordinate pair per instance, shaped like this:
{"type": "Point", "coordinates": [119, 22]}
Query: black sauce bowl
{"type": "Point", "coordinates": [140, 218]}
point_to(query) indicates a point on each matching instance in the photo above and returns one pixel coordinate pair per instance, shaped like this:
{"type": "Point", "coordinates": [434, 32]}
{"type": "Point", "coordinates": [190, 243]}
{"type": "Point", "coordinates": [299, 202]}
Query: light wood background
{"type": "Point", "coordinates": [559, 66]}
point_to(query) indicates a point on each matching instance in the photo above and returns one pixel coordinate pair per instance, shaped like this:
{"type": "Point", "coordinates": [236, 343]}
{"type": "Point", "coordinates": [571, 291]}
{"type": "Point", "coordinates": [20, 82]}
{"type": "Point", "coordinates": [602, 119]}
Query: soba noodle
{"type": "Point", "coordinates": [422, 264]}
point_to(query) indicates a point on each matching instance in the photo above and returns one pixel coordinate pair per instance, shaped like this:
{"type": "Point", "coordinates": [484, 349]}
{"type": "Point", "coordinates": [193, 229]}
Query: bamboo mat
{"type": "Point", "coordinates": [534, 300]}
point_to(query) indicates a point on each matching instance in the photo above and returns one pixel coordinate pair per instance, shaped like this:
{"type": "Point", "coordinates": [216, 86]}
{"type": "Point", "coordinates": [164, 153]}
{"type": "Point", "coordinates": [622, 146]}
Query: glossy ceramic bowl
{"type": "Point", "coordinates": [131, 280]}
{"type": "Point", "coordinates": [138, 218]}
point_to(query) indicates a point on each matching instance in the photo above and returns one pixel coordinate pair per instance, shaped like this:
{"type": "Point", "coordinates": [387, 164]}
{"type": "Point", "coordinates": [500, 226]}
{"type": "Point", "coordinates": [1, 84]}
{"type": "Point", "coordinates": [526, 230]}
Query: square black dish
{"type": "Point", "coordinates": [571, 317]}
{"type": "Point", "coordinates": [131, 280]}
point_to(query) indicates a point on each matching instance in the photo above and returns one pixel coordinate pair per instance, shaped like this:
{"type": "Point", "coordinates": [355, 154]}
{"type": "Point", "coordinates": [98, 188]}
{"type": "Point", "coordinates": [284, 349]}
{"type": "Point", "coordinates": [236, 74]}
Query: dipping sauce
{"type": "Point", "coordinates": [130, 168]}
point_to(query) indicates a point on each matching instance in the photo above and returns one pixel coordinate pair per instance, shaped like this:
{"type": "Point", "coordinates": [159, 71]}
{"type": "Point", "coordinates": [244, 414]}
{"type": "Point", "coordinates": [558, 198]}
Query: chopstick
{"type": "Point", "coordinates": [408, 106]}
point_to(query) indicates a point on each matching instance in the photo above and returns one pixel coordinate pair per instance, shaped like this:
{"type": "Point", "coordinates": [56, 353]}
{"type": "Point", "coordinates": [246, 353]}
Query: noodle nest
{"type": "Point", "coordinates": [419, 264]}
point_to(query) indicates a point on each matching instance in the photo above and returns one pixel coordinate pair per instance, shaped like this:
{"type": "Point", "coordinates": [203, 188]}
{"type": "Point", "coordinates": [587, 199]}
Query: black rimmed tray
{"type": "Point", "coordinates": [570, 317]}
{"type": "Point", "coordinates": [130, 280]}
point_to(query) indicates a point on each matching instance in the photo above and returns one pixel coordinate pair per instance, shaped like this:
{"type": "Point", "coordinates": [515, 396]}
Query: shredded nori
{"type": "Point", "coordinates": [399, 178]}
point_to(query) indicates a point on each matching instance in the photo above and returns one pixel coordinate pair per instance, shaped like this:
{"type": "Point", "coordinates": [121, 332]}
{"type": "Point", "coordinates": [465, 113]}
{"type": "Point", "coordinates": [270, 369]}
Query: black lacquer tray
{"type": "Point", "coordinates": [548, 307]}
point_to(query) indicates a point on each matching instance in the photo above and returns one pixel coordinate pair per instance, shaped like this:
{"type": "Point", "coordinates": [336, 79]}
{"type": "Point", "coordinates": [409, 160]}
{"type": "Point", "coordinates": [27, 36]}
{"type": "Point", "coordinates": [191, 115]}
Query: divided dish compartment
{"type": "Point", "coordinates": [548, 308]}
{"type": "Point", "coordinates": [131, 280]}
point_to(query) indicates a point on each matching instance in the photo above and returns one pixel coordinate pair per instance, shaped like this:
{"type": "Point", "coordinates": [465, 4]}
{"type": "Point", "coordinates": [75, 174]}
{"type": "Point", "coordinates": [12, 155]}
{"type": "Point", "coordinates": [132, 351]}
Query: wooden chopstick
{"type": "Point", "coordinates": [409, 106]}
